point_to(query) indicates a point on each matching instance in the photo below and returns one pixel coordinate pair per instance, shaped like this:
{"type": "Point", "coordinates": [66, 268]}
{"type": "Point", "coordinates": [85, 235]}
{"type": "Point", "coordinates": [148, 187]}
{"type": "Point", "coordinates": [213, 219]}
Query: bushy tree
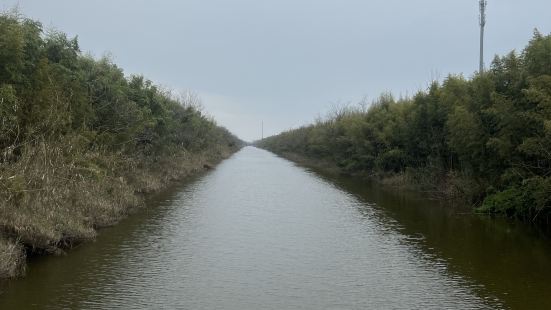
{"type": "Point", "coordinates": [493, 130]}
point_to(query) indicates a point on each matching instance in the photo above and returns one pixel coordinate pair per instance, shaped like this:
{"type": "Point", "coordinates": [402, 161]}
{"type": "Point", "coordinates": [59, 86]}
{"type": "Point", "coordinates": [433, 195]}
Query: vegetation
{"type": "Point", "coordinates": [80, 142]}
{"type": "Point", "coordinates": [486, 139]}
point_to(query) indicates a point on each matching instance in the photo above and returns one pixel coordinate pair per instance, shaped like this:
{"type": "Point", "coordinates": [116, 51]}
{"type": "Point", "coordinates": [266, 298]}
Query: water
{"type": "Point", "coordinates": [259, 232]}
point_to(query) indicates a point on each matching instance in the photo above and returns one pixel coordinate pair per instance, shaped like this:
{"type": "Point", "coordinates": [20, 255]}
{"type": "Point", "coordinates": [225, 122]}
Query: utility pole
{"type": "Point", "coordinates": [483, 4]}
{"type": "Point", "coordinates": [262, 130]}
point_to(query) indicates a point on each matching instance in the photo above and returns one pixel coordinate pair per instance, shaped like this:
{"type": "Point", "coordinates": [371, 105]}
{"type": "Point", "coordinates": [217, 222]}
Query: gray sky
{"type": "Point", "coordinates": [288, 61]}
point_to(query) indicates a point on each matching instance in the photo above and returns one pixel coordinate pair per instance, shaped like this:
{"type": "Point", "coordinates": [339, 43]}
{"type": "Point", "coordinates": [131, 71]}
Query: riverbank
{"type": "Point", "coordinates": [57, 217]}
{"type": "Point", "coordinates": [447, 187]}
{"type": "Point", "coordinates": [81, 143]}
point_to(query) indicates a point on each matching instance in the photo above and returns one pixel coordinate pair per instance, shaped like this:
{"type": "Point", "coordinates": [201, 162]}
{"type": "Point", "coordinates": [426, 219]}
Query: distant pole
{"type": "Point", "coordinates": [262, 130]}
{"type": "Point", "coordinates": [483, 4]}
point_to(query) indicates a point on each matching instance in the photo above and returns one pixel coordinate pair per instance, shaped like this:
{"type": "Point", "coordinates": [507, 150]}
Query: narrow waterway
{"type": "Point", "coordinates": [259, 232]}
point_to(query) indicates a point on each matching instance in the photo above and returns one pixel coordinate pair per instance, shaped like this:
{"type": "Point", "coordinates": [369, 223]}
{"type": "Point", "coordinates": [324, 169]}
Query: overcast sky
{"type": "Point", "coordinates": [288, 61]}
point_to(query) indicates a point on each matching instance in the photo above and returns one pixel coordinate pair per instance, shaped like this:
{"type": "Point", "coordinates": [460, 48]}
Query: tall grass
{"type": "Point", "coordinates": [12, 259]}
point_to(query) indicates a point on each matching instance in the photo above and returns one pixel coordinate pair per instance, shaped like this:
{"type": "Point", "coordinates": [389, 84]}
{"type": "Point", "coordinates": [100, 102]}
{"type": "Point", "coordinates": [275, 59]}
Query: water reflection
{"type": "Point", "coordinates": [260, 232]}
{"type": "Point", "coordinates": [505, 260]}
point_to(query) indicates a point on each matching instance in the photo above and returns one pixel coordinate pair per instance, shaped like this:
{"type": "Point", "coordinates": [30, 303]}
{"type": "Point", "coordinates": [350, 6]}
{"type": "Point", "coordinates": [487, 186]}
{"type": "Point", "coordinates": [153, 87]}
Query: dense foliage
{"type": "Point", "coordinates": [50, 90]}
{"type": "Point", "coordinates": [79, 140]}
{"type": "Point", "coordinates": [487, 139]}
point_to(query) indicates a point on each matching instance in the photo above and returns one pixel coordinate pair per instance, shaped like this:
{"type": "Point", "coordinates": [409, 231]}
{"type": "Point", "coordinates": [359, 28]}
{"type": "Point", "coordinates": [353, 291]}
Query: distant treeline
{"type": "Point", "coordinates": [79, 141]}
{"type": "Point", "coordinates": [486, 139]}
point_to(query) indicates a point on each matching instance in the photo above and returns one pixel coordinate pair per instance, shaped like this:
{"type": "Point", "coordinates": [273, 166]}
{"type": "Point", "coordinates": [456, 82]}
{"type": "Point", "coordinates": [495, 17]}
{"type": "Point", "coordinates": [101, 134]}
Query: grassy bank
{"type": "Point", "coordinates": [63, 206]}
{"type": "Point", "coordinates": [486, 140]}
{"type": "Point", "coordinates": [446, 187]}
{"type": "Point", "coordinates": [81, 143]}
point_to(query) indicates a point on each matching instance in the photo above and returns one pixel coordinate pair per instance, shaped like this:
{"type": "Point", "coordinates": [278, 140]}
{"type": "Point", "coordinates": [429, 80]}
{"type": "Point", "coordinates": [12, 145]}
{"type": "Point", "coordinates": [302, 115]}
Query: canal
{"type": "Point", "coordinates": [260, 232]}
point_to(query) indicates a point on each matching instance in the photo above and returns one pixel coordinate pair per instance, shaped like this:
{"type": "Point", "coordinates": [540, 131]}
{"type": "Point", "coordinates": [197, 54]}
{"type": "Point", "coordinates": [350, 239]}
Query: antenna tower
{"type": "Point", "coordinates": [483, 4]}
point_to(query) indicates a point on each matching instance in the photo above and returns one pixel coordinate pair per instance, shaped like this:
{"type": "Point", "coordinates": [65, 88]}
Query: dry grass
{"type": "Point", "coordinates": [55, 196]}
{"type": "Point", "coordinates": [12, 259]}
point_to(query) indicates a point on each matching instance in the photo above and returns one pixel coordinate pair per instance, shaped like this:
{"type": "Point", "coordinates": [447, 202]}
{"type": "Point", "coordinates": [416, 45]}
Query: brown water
{"type": "Point", "coordinates": [259, 232]}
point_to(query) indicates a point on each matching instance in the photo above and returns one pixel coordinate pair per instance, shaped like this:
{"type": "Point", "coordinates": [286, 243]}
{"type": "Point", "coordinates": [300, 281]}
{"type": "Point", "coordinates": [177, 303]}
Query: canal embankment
{"type": "Point", "coordinates": [66, 210]}
{"type": "Point", "coordinates": [81, 143]}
